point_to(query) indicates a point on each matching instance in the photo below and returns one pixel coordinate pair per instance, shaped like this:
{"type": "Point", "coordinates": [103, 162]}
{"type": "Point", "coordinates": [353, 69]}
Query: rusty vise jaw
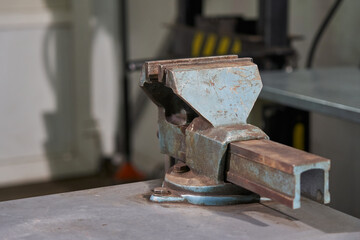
{"type": "Point", "coordinates": [203, 106]}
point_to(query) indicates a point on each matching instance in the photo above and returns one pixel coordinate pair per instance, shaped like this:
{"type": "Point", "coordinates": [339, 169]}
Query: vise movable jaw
{"type": "Point", "coordinates": [203, 106]}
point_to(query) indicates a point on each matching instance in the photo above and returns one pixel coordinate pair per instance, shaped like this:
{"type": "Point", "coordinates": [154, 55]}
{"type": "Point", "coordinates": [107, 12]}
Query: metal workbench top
{"type": "Point", "coordinates": [333, 91]}
{"type": "Point", "coordinates": [122, 212]}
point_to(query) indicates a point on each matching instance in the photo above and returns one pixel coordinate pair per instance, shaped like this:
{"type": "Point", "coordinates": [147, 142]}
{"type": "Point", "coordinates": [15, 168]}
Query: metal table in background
{"type": "Point", "coordinates": [334, 91]}
{"type": "Point", "coordinates": [123, 212]}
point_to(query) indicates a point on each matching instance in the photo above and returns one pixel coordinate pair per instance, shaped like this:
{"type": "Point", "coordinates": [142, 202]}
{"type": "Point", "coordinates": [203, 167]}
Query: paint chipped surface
{"type": "Point", "coordinates": [223, 95]}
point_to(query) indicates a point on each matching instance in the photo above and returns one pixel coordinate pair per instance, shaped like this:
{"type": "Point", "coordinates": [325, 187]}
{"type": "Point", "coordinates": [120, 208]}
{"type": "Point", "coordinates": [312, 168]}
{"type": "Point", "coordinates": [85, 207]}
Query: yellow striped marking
{"type": "Point", "coordinates": [197, 43]}
{"type": "Point", "coordinates": [299, 136]}
{"type": "Point", "coordinates": [210, 45]}
{"type": "Point", "coordinates": [223, 47]}
{"type": "Point", "coordinates": [236, 47]}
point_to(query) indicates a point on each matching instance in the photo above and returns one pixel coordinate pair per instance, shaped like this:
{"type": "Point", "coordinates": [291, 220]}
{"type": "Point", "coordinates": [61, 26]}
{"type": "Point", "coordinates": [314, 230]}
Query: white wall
{"type": "Point", "coordinates": [339, 45]}
{"type": "Point", "coordinates": [105, 68]}
{"type": "Point", "coordinates": [46, 124]}
{"type": "Point", "coordinates": [30, 92]}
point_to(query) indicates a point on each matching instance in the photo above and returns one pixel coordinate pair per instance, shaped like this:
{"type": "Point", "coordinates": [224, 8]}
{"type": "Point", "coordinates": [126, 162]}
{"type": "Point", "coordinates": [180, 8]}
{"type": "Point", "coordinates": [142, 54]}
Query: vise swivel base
{"type": "Point", "coordinates": [215, 157]}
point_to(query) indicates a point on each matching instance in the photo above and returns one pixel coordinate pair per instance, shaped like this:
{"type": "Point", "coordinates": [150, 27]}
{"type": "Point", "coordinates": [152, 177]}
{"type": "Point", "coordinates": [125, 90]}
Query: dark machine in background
{"type": "Point", "coordinates": [264, 39]}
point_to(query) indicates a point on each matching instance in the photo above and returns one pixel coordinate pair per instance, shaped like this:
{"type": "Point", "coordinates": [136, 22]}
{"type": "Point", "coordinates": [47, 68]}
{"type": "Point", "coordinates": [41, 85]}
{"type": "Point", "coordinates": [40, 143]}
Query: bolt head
{"type": "Point", "coordinates": [161, 191]}
{"type": "Point", "coordinates": [180, 167]}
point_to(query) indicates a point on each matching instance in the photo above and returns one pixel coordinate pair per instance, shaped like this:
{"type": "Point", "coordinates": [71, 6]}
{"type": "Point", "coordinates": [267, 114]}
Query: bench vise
{"type": "Point", "coordinates": [214, 156]}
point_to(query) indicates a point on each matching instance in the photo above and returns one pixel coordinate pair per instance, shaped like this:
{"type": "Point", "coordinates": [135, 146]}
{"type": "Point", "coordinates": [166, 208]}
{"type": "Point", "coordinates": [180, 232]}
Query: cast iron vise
{"type": "Point", "coordinates": [215, 157]}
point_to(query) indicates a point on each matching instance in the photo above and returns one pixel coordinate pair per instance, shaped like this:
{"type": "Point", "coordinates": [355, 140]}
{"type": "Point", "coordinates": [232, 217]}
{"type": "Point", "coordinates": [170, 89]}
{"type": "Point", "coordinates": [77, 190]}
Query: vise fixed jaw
{"type": "Point", "coordinates": [203, 106]}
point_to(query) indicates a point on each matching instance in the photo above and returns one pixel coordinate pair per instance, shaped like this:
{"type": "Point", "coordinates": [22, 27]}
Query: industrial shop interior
{"type": "Point", "coordinates": [179, 119]}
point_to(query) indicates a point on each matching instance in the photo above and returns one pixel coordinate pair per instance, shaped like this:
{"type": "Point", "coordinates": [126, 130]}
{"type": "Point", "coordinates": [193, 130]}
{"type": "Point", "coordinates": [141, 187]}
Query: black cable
{"type": "Point", "coordinates": [320, 32]}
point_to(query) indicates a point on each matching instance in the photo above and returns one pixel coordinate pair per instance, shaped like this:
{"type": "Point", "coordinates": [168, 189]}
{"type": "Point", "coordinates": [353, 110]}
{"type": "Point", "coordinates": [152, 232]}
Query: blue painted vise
{"type": "Point", "coordinates": [203, 107]}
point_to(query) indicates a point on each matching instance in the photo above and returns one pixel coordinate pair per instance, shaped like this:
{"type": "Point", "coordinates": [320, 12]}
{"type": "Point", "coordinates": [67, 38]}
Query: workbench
{"type": "Point", "coordinates": [124, 212]}
{"type": "Point", "coordinates": [334, 91]}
